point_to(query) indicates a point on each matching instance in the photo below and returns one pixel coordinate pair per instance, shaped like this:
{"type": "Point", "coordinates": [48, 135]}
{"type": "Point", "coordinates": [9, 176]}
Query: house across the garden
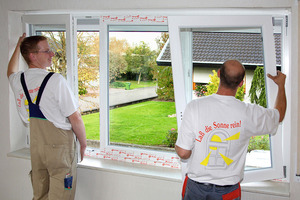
{"type": "Point", "coordinates": [211, 49]}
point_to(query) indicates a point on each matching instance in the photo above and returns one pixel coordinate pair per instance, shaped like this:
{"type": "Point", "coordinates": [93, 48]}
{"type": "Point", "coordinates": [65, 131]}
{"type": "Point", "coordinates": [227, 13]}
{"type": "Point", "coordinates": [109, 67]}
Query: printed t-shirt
{"type": "Point", "coordinates": [217, 129]}
{"type": "Point", "coordinates": [57, 102]}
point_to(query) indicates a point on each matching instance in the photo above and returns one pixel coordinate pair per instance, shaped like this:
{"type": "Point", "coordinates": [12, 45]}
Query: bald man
{"type": "Point", "coordinates": [214, 135]}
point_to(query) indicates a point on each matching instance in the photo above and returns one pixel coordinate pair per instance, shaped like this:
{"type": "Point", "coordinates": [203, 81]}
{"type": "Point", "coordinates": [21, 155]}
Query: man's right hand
{"type": "Point", "coordinates": [279, 79]}
{"type": "Point", "coordinates": [280, 103]}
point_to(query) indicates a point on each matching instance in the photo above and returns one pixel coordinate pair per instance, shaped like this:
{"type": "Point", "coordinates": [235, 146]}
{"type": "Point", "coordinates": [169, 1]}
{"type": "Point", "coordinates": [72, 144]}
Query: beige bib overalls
{"type": "Point", "coordinates": [53, 154]}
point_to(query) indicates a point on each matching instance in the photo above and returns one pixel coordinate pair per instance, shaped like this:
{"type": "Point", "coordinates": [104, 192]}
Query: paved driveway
{"type": "Point", "coordinates": [117, 97]}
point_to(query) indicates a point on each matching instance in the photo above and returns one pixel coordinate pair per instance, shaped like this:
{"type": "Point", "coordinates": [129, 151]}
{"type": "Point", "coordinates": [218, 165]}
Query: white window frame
{"type": "Point", "coordinates": [265, 23]}
{"type": "Point", "coordinates": [58, 19]}
{"type": "Point", "coordinates": [104, 83]}
{"type": "Point", "coordinates": [75, 28]}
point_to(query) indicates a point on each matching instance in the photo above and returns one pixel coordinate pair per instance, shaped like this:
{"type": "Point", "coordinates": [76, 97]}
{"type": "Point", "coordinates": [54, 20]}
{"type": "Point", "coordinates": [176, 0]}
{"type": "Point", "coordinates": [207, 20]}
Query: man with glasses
{"type": "Point", "coordinates": [45, 101]}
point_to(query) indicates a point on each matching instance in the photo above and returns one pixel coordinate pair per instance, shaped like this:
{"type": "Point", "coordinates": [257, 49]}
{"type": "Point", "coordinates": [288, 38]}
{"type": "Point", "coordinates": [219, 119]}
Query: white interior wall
{"type": "Point", "coordinates": [15, 183]}
{"type": "Point", "coordinates": [124, 186]}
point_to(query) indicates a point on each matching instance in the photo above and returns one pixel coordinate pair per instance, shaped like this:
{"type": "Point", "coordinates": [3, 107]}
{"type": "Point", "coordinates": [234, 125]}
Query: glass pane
{"type": "Point", "coordinates": [204, 50]}
{"type": "Point", "coordinates": [88, 84]}
{"type": "Point", "coordinates": [141, 95]}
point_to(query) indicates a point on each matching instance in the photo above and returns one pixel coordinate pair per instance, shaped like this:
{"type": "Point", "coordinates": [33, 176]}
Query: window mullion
{"type": "Point", "coordinates": [104, 92]}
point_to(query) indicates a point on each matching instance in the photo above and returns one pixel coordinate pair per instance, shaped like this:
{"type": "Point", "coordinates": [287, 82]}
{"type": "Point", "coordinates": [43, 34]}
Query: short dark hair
{"type": "Point", "coordinates": [228, 80]}
{"type": "Point", "coordinates": [29, 45]}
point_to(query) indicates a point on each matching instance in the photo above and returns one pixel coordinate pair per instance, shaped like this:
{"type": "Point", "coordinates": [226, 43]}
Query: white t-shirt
{"type": "Point", "coordinates": [57, 101]}
{"type": "Point", "coordinates": [217, 129]}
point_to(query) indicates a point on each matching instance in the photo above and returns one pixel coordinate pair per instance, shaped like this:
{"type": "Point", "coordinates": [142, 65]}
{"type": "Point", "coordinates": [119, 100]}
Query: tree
{"type": "Point", "coordinates": [162, 40]}
{"type": "Point", "coordinates": [117, 62]}
{"type": "Point", "coordinates": [164, 74]}
{"type": "Point", "coordinates": [57, 42]}
{"type": "Point", "coordinates": [117, 66]}
{"type": "Point", "coordinates": [164, 77]}
{"type": "Point", "coordinates": [140, 60]}
{"type": "Point", "coordinates": [88, 61]}
{"type": "Point", "coordinates": [257, 90]}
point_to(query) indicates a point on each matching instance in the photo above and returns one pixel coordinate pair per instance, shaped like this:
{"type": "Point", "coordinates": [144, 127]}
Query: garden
{"type": "Point", "coordinates": [145, 123]}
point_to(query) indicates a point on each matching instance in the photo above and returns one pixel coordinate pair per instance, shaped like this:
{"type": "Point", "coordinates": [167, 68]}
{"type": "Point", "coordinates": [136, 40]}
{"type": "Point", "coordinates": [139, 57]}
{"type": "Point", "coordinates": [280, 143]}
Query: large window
{"type": "Point", "coordinates": [126, 94]}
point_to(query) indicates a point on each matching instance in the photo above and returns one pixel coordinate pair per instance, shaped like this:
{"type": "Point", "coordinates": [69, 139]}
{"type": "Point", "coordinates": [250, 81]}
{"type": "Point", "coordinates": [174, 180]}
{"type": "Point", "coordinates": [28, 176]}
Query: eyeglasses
{"type": "Point", "coordinates": [48, 52]}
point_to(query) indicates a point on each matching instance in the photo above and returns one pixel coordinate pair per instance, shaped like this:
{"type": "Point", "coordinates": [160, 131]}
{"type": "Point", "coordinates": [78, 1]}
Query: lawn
{"type": "Point", "coordinates": [134, 84]}
{"type": "Point", "coordinates": [145, 123]}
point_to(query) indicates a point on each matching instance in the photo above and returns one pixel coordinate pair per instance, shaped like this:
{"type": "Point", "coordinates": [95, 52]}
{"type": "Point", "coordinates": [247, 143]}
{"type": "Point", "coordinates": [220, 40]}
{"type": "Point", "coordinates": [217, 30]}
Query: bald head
{"type": "Point", "coordinates": [232, 73]}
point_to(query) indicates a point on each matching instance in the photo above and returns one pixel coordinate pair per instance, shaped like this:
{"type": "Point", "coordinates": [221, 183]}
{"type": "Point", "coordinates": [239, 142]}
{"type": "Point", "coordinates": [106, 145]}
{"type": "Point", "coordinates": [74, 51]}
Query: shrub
{"type": "Point", "coordinates": [117, 84]}
{"type": "Point", "coordinates": [82, 91]}
{"type": "Point", "coordinates": [82, 88]}
{"type": "Point", "coordinates": [164, 77]}
{"type": "Point", "coordinates": [171, 138]}
{"type": "Point", "coordinates": [259, 143]}
{"type": "Point", "coordinates": [257, 92]}
{"type": "Point", "coordinates": [200, 90]}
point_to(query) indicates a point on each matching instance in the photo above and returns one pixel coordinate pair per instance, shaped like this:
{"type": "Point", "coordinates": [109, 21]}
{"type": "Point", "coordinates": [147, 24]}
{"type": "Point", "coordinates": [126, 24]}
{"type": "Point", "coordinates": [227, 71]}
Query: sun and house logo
{"type": "Point", "coordinates": [218, 146]}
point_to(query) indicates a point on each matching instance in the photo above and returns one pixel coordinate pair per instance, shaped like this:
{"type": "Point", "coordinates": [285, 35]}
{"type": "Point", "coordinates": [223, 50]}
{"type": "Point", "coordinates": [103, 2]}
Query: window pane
{"type": "Point", "coordinates": [88, 84]}
{"type": "Point", "coordinates": [204, 50]}
{"type": "Point", "coordinates": [141, 95]}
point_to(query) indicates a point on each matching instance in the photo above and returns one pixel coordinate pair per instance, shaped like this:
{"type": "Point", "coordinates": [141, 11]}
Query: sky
{"type": "Point", "coordinates": [136, 37]}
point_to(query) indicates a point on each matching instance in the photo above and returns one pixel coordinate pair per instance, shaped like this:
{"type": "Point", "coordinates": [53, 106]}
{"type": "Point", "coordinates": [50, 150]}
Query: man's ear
{"type": "Point", "coordinates": [219, 71]}
{"type": "Point", "coordinates": [241, 83]}
{"type": "Point", "coordinates": [32, 57]}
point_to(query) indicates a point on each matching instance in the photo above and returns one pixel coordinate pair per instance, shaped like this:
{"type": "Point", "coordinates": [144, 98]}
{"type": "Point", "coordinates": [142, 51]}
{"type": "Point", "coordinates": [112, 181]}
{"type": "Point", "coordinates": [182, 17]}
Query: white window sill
{"type": "Point", "coordinates": [21, 153]}
{"type": "Point", "coordinates": [135, 169]}
{"type": "Point", "coordinates": [274, 188]}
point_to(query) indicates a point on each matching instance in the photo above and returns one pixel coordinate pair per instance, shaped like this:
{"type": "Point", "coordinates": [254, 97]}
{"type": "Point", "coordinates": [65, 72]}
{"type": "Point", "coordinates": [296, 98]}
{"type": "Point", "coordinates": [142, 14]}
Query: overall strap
{"type": "Point", "coordinates": [25, 88]}
{"type": "Point", "coordinates": [43, 87]}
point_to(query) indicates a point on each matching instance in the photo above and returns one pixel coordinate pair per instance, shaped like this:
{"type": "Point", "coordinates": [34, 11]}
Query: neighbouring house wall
{"type": "Point", "coordinates": [93, 184]}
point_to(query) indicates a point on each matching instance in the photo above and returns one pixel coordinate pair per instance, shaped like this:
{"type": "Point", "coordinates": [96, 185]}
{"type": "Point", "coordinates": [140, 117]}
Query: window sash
{"type": "Point", "coordinates": [105, 27]}
{"type": "Point", "coordinates": [57, 22]}
{"type": "Point", "coordinates": [265, 23]}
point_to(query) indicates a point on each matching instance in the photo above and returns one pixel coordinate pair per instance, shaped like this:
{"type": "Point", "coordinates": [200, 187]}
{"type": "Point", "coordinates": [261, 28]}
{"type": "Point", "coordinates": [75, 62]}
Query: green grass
{"type": "Point", "coordinates": [91, 122]}
{"type": "Point", "coordinates": [144, 123]}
